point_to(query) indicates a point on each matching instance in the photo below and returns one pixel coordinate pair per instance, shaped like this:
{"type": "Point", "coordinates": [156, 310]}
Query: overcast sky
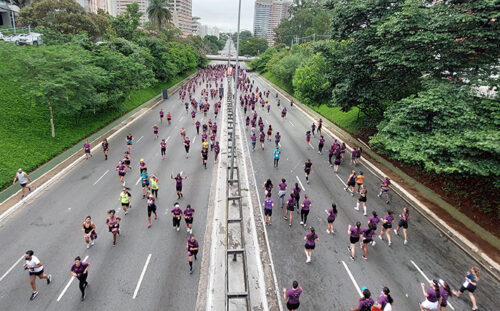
{"type": "Point", "coordinates": [224, 13]}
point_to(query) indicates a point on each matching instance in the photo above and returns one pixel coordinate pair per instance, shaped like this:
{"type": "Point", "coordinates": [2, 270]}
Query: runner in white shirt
{"type": "Point", "coordinates": [35, 268]}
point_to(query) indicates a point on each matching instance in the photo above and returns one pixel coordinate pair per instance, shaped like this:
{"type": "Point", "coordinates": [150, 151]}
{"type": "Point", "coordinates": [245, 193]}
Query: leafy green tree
{"type": "Point", "coordinates": [446, 128]}
{"type": "Point", "coordinates": [245, 34]}
{"type": "Point", "coordinates": [308, 22]}
{"type": "Point", "coordinates": [310, 83]}
{"type": "Point", "coordinates": [64, 16]}
{"type": "Point", "coordinates": [211, 44]}
{"type": "Point", "coordinates": [159, 13]}
{"type": "Point", "coordinates": [285, 68]}
{"type": "Point", "coordinates": [125, 25]}
{"type": "Point", "coordinates": [253, 46]}
{"type": "Point", "coordinates": [261, 62]}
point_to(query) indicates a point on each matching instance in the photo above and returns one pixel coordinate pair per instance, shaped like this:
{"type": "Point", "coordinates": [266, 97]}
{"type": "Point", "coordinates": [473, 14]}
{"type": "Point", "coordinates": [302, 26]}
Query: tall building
{"type": "Point", "coordinates": [120, 6]}
{"type": "Point", "coordinates": [94, 5]}
{"type": "Point", "coordinates": [268, 15]}
{"type": "Point", "coordinates": [182, 16]}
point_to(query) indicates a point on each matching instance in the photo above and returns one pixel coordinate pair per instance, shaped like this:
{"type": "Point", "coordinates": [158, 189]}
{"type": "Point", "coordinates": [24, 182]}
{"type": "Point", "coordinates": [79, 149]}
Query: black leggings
{"type": "Point", "coordinates": [303, 215]}
{"type": "Point", "coordinates": [154, 192]}
{"type": "Point", "coordinates": [330, 158]}
{"type": "Point", "coordinates": [176, 222]}
{"type": "Point", "coordinates": [83, 282]}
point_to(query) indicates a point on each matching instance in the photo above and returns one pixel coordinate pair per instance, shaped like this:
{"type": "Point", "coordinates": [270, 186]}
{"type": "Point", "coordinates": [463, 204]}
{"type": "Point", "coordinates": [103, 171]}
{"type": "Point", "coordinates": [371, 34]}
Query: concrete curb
{"type": "Point", "coordinates": [11, 204]}
{"type": "Point", "coordinates": [464, 243]}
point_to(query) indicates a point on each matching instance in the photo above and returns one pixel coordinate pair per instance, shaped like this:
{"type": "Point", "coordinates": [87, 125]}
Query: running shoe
{"type": "Point", "coordinates": [352, 258]}
{"type": "Point", "coordinates": [365, 258]}
{"type": "Point", "coordinates": [405, 242]}
{"type": "Point", "coordinates": [301, 222]}
{"type": "Point", "coordinates": [396, 232]}
{"type": "Point", "coordinates": [373, 243]}
{"type": "Point", "coordinates": [380, 237]}
{"type": "Point", "coordinates": [327, 231]}
{"type": "Point", "coordinates": [33, 295]}
{"type": "Point", "coordinates": [92, 242]}
{"type": "Point", "coordinates": [49, 279]}
{"type": "Point", "coordinates": [88, 245]}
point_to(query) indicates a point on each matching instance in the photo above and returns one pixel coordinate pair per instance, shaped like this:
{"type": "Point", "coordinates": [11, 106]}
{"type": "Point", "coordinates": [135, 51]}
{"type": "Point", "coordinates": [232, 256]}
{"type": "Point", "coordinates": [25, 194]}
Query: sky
{"type": "Point", "coordinates": [224, 14]}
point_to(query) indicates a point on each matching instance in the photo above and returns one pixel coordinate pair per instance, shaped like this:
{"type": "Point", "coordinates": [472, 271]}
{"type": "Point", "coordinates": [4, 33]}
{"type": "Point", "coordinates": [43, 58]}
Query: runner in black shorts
{"type": "Point", "coordinates": [188, 217]}
{"type": "Point", "coordinates": [354, 233]}
{"type": "Point", "coordinates": [292, 296]}
{"type": "Point", "coordinates": [192, 250]}
{"type": "Point", "coordinates": [151, 207]}
{"type": "Point", "coordinates": [403, 223]}
{"type": "Point", "coordinates": [308, 168]}
{"type": "Point", "coordinates": [204, 157]}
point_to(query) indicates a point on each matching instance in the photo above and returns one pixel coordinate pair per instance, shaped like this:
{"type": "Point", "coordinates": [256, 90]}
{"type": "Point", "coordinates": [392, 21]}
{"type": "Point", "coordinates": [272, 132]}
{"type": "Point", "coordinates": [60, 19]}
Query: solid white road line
{"type": "Point", "coordinates": [291, 123]}
{"type": "Point", "coordinates": [141, 277]}
{"type": "Point", "coordinates": [311, 145]}
{"type": "Point", "coordinates": [301, 186]}
{"type": "Point", "coordinates": [138, 180]}
{"type": "Point", "coordinates": [267, 122]}
{"type": "Point", "coordinates": [10, 269]}
{"type": "Point", "coordinates": [167, 139]}
{"type": "Point", "coordinates": [341, 180]}
{"type": "Point", "coordinates": [140, 139]}
{"type": "Point", "coordinates": [194, 139]}
{"type": "Point", "coordinates": [353, 280]}
{"type": "Point", "coordinates": [101, 177]}
{"type": "Point", "coordinates": [69, 283]}
{"type": "Point", "coordinates": [427, 279]}
{"type": "Point", "coordinates": [181, 118]}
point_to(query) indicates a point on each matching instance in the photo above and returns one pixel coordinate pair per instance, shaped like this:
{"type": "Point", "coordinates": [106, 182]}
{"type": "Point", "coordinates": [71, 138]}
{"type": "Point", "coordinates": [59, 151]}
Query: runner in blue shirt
{"type": "Point", "coordinates": [277, 154]}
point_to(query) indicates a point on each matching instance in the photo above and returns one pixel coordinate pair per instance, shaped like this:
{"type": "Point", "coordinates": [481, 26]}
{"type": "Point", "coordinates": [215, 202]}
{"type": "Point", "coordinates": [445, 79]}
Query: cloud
{"type": "Point", "coordinates": [224, 13]}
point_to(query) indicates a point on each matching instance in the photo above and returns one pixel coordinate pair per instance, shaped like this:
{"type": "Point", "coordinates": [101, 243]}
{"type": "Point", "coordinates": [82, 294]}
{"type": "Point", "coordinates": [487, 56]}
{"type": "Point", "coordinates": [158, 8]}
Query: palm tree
{"type": "Point", "coordinates": [159, 12]}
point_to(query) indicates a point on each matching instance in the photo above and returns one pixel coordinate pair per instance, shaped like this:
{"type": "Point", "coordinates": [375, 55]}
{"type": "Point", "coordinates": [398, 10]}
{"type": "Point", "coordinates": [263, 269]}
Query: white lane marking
{"type": "Point", "coordinates": [69, 283]}
{"type": "Point", "coordinates": [141, 277]}
{"type": "Point", "coordinates": [280, 146]}
{"type": "Point", "coordinates": [140, 139]}
{"type": "Point", "coordinates": [267, 122]}
{"type": "Point", "coordinates": [427, 279]}
{"type": "Point", "coordinates": [291, 123]}
{"type": "Point", "coordinates": [101, 177]}
{"type": "Point", "coordinates": [167, 139]}
{"type": "Point", "coordinates": [301, 186]}
{"type": "Point", "coordinates": [311, 145]}
{"type": "Point", "coordinates": [10, 269]}
{"type": "Point", "coordinates": [194, 139]}
{"type": "Point", "coordinates": [181, 118]}
{"type": "Point", "coordinates": [341, 180]}
{"type": "Point", "coordinates": [138, 180]}
{"type": "Point", "coordinates": [353, 280]}
{"type": "Point", "coordinates": [293, 169]}
{"type": "Point", "coordinates": [201, 121]}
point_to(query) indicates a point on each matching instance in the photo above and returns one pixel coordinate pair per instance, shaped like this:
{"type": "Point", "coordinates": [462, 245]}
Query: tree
{"type": "Point", "coordinates": [446, 128]}
{"type": "Point", "coordinates": [310, 83]}
{"type": "Point", "coordinates": [261, 62]}
{"type": "Point", "coordinates": [211, 44]}
{"type": "Point", "coordinates": [253, 46]}
{"type": "Point", "coordinates": [125, 25]}
{"type": "Point", "coordinates": [245, 34]}
{"type": "Point", "coordinates": [159, 13]}
{"type": "Point", "coordinates": [64, 16]}
{"type": "Point", "coordinates": [308, 22]}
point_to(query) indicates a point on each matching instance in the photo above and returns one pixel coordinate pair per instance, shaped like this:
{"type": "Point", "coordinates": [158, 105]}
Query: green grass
{"type": "Point", "coordinates": [349, 121]}
{"type": "Point", "coordinates": [25, 138]}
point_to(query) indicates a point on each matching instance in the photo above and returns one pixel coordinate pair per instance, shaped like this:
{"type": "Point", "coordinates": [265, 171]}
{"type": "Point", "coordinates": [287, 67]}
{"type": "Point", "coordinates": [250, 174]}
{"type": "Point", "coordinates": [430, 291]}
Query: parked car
{"type": "Point", "coordinates": [32, 38]}
{"type": "Point", "coordinates": [11, 38]}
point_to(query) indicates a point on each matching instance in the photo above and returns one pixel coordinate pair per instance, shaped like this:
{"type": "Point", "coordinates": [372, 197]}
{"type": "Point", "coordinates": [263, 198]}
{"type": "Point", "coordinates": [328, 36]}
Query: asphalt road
{"type": "Point", "coordinates": [50, 224]}
{"type": "Point", "coordinates": [326, 280]}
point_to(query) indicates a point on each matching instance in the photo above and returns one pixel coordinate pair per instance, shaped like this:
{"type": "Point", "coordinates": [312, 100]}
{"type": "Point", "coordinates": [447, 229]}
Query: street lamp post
{"type": "Point", "coordinates": [235, 88]}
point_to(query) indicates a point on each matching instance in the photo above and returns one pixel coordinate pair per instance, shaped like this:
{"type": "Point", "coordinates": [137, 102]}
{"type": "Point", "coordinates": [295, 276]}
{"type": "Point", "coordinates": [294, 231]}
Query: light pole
{"type": "Point", "coordinates": [235, 88]}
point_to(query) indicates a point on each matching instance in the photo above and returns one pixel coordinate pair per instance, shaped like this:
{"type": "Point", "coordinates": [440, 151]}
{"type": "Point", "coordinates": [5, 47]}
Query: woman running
{"type": "Point", "coordinates": [188, 217]}
{"type": "Point", "coordinates": [268, 208]}
{"type": "Point", "coordinates": [403, 223]}
{"type": "Point", "coordinates": [216, 151]}
{"type": "Point", "coordinates": [365, 302]}
{"type": "Point", "coordinates": [89, 234]}
{"type": "Point", "coordinates": [163, 148]}
{"type": "Point", "coordinates": [161, 115]}
{"type": "Point", "coordinates": [145, 183]}
{"type": "Point", "coordinates": [354, 233]}
{"type": "Point", "coordinates": [308, 139]}
{"type": "Point", "coordinates": [277, 139]}
{"type": "Point", "coordinates": [197, 125]}
{"type": "Point", "coordinates": [122, 170]}
{"type": "Point", "coordinates": [353, 156]}
{"type": "Point", "coordinates": [292, 296]}
{"type": "Point", "coordinates": [445, 292]}
{"type": "Point", "coordinates": [296, 195]}
{"type": "Point", "coordinates": [269, 132]}
{"type": "Point", "coordinates": [432, 296]}
{"type": "Point", "coordinates": [358, 156]}
{"type": "Point", "coordinates": [247, 122]}
{"type": "Point", "coordinates": [311, 238]}
{"type": "Point", "coordinates": [320, 126]}
{"type": "Point", "coordinates": [79, 270]}
{"type": "Point", "coordinates": [127, 160]}
{"type": "Point", "coordinates": [384, 300]}
{"type": "Point", "coordinates": [253, 139]}
{"type": "Point", "coordinates": [204, 157]}
{"type": "Point", "coordinates": [282, 192]}
{"type": "Point", "coordinates": [351, 182]}
{"type": "Point", "coordinates": [86, 150]}
{"type": "Point", "coordinates": [169, 117]}
{"type": "Point", "coordinates": [332, 215]}
{"type": "Point", "coordinates": [151, 207]}
{"type": "Point", "coordinates": [268, 187]}
{"type": "Point", "coordinates": [105, 148]}
{"type": "Point", "coordinates": [470, 285]}
{"type": "Point", "coordinates": [187, 144]}
{"type": "Point", "coordinates": [178, 184]}
{"type": "Point", "coordinates": [313, 128]}
{"type": "Point", "coordinates": [290, 207]}
{"type": "Point", "coordinates": [360, 179]}
{"type": "Point", "coordinates": [343, 147]}
{"type": "Point", "coordinates": [176, 216]}
{"type": "Point", "coordinates": [192, 247]}
{"type": "Point", "coordinates": [125, 197]}
{"type": "Point", "coordinates": [374, 220]}
{"type": "Point", "coordinates": [384, 189]}
{"type": "Point", "coordinates": [368, 234]}
{"type": "Point", "coordinates": [306, 207]}
{"type": "Point", "coordinates": [155, 131]}
{"type": "Point", "coordinates": [142, 166]}
{"type": "Point", "coordinates": [362, 199]}
{"type": "Point", "coordinates": [330, 155]}
{"type": "Point", "coordinates": [338, 159]}
{"type": "Point", "coordinates": [321, 144]}
{"type": "Point", "coordinates": [113, 223]}
{"type": "Point", "coordinates": [308, 169]}
{"type": "Point", "coordinates": [262, 138]}
{"type": "Point", "coordinates": [129, 140]}
{"type": "Point", "coordinates": [386, 227]}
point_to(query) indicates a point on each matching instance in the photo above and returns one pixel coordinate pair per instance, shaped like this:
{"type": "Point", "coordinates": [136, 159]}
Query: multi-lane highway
{"type": "Point", "coordinates": [50, 224]}
{"type": "Point", "coordinates": [332, 281]}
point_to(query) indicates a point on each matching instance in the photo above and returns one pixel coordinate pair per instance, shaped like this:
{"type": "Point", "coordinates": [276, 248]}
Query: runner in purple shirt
{"type": "Point", "coordinates": [311, 238]}
{"type": "Point", "coordinates": [277, 139]}
{"type": "Point", "coordinates": [332, 215]}
{"type": "Point", "coordinates": [306, 207]}
{"type": "Point", "coordinates": [367, 238]}
{"type": "Point", "coordinates": [197, 125]}
{"type": "Point", "coordinates": [386, 226]}
{"type": "Point", "coordinates": [445, 292]}
{"type": "Point", "coordinates": [432, 296]}
{"type": "Point", "coordinates": [86, 149]}
{"type": "Point", "coordinates": [374, 220]}
{"type": "Point", "coordinates": [122, 170]}
{"type": "Point", "coordinates": [176, 216]}
{"type": "Point", "coordinates": [79, 270]}
{"type": "Point", "coordinates": [247, 122]}
{"type": "Point", "coordinates": [308, 139]}
{"type": "Point", "coordinates": [268, 208]}
{"type": "Point", "coordinates": [366, 302]}
{"type": "Point", "coordinates": [178, 184]}
{"type": "Point", "coordinates": [163, 148]}
{"type": "Point", "coordinates": [188, 217]}
{"type": "Point", "coordinates": [262, 138]}
{"type": "Point", "coordinates": [155, 131]}
{"type": "Point", "coordinates": [192, 247]}
{"type": "Point", "coordinates": [321, 144]}
{"type": "Point", "coordinates": [354, 233]}
{"type": "Point", "coordinates": [187, 145]}
{"type": "Point", "coordinates": [216, 151]}
{"type": "Point", "coordinates": [290, 206]}
{"type": "Point", "coordinates": [384, 299]}
{"type": "Point", "coordinates": [282, 192]}
{"type": "Point", "coordinates": [253, 139]}
{"type": "Point", "coordinates": [292, 296]}
{"type": "Point", "coordinates": [403, 223]}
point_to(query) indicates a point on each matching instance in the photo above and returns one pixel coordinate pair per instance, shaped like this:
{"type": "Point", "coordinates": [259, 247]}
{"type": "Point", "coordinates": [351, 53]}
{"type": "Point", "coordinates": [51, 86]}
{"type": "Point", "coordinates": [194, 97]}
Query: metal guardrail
{"type": "Point", "coordinates": [237, 288]}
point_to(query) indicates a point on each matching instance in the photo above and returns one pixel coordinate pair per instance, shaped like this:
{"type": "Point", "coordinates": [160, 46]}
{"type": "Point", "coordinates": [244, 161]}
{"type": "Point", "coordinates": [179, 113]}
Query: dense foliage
{"type": "Point", "coordinates": [253, 46]}
{"type": "Point", "coordinates": [413, 68]}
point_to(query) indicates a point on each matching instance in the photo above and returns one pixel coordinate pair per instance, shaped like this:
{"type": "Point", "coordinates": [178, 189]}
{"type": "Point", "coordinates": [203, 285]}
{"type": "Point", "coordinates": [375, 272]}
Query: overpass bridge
{"type": "Point", "coordinates": [233, 58]}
